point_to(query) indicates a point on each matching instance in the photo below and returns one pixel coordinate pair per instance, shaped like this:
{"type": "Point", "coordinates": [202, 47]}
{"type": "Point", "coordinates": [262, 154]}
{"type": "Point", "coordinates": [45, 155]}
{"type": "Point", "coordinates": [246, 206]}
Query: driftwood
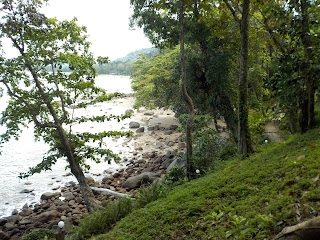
{"type": "Point", "coordinates": [110, 192]}
{"type": "Point", "coordinates": [308, 230]}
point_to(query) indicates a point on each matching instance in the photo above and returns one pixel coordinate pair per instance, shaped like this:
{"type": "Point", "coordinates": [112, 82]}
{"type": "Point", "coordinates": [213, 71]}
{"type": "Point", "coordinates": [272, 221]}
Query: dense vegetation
{"type": "Point", "coordinates": [251, 198]}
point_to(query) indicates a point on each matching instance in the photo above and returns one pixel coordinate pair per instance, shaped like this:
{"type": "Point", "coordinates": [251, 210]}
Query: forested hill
{"type": "Point", "coordinates": [122, 66]}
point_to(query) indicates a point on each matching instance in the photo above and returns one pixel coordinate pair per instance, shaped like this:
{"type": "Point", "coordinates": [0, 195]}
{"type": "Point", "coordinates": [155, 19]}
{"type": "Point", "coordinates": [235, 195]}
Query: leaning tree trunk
{"type": "Point", "coordinates": [186, 96]}
{"type": "Point", "coordinates": [76, 170]}
{"type": "Point", "coordinates": [244, 140]}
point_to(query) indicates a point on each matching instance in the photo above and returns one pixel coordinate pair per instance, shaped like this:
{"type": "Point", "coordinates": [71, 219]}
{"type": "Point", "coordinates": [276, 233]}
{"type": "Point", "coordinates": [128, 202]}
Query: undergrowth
{"type": "Point", "coordinates": [252, 198]}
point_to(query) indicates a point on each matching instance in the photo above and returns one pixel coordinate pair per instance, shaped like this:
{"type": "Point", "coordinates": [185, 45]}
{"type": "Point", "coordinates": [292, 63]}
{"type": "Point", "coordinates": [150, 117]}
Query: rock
{"type": "Point", "coordinates": [134, 125]}
{"type": "Point", "coordinates": [10, 226]}
{"type": "Point", "coordinates": [116, 175]}
{"type": "Point", "coordinates": [49, 195]}
{"type": "Point", "coordinates": [27, 191]}
{"type": "Point", "coordinates": [173, 127]}
{"type": "Point", "coordinates": [15, 212]}
{"type": "Point", "coordinates": [150, 128]}
{"type": "Point", "coordinates": [149, 169]}
{"type": "Point", "coordinates": [13, 219]}
{"type": "Point", "coordinates": [136, 181]}
{"type": "Point", "coordinates": [170, 143]}
{"type": "Point", "coordinates": [169, 132]}
{"type": "Point", "coordinates": [4, 236]}
{"type": "Point", "coordinates": [3, 221]}
{"type": "Point", "coordinates": [156, 127]}
{"type": "Point", "coordinates": [68, 196]}
{"type": "Point", "coordinates": [148, 113]}
{"type": "Point", "coordinates": [129, 111]}
{"type": "Point", "coordinates": [47, 216]}
{"type": "Point", "coordinates": [176, 162]}
{"type": "Point", "coordinates": [140, 130]}
{"type": "Point", "coordinates": [90, 179]}
{"type": "Point", "coordinates": [181, 145]}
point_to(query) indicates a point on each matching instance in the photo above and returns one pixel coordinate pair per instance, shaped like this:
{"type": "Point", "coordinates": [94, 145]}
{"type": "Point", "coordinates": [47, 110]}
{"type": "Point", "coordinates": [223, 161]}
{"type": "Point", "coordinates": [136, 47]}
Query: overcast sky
{"type": "Point", "coordinates": [107, 24]}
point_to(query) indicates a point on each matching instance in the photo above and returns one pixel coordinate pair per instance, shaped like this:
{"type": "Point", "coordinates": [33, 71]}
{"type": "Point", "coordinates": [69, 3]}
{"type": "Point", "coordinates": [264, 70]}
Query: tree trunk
{"type": "Point", "coordinates": [186, 96]}
{"type": "Point", "coordinates": [244, 140]}
{"type": "Point", "coordinates": [76, 170]}
{"type": "Point", "coordinates": [307, 44]}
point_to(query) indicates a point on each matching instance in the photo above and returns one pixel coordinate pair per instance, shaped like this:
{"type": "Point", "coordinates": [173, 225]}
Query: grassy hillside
{"type": "Point", "coordinates": [252, 198]}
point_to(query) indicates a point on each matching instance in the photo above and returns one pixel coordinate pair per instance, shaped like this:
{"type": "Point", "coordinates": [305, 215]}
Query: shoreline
{"type": "Point", "coordinates": [152, 148]}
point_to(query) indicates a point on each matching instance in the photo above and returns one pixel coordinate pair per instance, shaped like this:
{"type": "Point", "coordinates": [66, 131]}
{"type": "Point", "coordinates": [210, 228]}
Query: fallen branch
{"type": "Point", "coordinates": [110, 192]}
{"type": "Point", "coordinates": [305, 230]}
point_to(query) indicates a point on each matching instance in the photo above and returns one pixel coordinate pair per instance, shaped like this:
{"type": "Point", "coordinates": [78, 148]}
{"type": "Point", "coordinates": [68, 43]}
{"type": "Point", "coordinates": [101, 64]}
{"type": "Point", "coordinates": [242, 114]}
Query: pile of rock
{"type": "Point", "coordinates": [68, 205]}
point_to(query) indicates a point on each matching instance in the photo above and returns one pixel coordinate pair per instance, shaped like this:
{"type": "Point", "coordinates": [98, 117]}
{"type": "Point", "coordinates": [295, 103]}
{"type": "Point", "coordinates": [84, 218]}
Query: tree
{"type": "Point", "coordinates": [244, 140]}
{"type": "Point", "coordinates": [185, 94]}
{"type": "Point", "coordinates": [46, 98]}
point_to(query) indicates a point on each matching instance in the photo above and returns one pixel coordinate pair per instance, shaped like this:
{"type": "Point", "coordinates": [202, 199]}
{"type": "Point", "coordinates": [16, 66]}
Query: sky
{"type": "Point", "coordinates": [107, 23]}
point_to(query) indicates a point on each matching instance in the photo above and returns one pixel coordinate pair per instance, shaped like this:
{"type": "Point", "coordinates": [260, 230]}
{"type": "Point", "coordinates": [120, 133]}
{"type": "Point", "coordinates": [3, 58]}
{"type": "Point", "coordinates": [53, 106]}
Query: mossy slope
{"type": "Point", "coordinates": [242, 199]}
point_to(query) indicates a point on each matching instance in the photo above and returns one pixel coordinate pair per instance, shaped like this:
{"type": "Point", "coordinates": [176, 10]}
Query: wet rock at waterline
{"type": "Point", "coordinates": [134, 125]}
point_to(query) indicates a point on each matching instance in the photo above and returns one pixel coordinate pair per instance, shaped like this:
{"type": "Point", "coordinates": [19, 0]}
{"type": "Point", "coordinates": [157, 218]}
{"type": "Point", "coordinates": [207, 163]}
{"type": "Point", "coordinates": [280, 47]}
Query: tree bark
{"type": "Point", "coordinates": [307, 44]}
{"type": "Point", "coordinates": [244, 140]}
{"type": "Point", "coordinates": [186, 96]}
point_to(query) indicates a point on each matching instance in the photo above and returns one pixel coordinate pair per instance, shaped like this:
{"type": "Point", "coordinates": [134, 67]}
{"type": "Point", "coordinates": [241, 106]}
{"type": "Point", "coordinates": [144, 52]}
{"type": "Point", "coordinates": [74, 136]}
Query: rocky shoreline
{"type": "Point", "coordinates": [156, 143]}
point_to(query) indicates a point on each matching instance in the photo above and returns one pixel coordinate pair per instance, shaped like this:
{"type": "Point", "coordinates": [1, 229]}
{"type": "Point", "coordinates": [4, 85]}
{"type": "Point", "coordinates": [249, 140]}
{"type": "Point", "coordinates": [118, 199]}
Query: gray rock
{"type": "Point", "coordinates": [4, 236]}
{"type": "Point", "coordinates": [140, 130]}
{"type": "Point", "coordinates": [129, 111]}
{"type": "Point", "coordinates": [27, 191]}
{"type": "Point", "coordinates": [68, 196]}
{"type": "Point", "coordinates": [47, 216]}
{"type": "Point", "coordinates": [13, 219]}
{"type": "Point", "coordinates": [136, 181]}
{"type": "Point", "coordinates": [49, 195]}
{"type": "Point", "coordinates": [173, 127]}
{"type": "Point", "coordinates": [150, 128]}
{"type": "Point", "coordinates": [168, 132]}
{"type": "Point", "coordinates": [134, 125]}
{"type": "Point", "coordinates": [15, 212]}
{"type": "Point", "coordinates": [156, 127]}
{"type": "Point", "coordinates": [148, 113]}
{"type": "Point", "coordinates": [3, 221]}
{"type": "Point", "coordinates": [176, 162]}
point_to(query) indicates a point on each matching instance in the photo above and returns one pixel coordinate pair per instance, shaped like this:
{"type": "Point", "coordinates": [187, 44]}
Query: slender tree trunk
{"type": "Point", "coordinates": [244, 140]}
{"type": "Point", "coordinates": [307, 44]}
{"type": "Point", "coordinates": [186, 96]}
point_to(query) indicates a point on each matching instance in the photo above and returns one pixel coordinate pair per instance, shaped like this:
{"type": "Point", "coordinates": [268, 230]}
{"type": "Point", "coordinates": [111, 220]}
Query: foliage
{"type": "Point", "coordinates": [104, 218]}
{"type": "Point", "coordinates": [257, 196]}
{"type": "Point", "coordinates": [48, 98]}
{"type": "Point", "coordinates": [175, 176]}
{"type": "Point", "coordinates": [147, 195]}
{"type": "Point", "coordinates": [40, 234]}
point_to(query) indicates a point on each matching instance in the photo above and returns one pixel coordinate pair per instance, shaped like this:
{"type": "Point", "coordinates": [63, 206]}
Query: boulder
{"type": "Point", "coordinates": [49, 195]}
{"type": "Point", "coordinates": [134, 125]}
{"type": "Point", "coordinates": [140, 130]}
{"type": "Point", "coordinates": [136, 181]}
{"type": "Point", "coordinates": [68, 196]}
{"type": "Point", "coordinates": [148, 113]}
{"type": "Point", "coordinates": [47, 216]}
{"type": "Point", "coordinates": [3, 221]}
{"type": "Point", "coordinates": [4, 236]}
{"type": "Point", "coordinates": [173, 127]}
{"type": "Point", "coordinates": [176, 162]}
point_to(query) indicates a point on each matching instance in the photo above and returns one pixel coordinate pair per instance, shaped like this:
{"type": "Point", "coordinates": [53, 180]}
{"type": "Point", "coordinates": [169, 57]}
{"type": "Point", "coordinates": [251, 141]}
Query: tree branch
{"type": "Point", "coordinates": [65, 113]}
{"type": "Point", "coordinates": [233, 11]}
{"type": "Point", "coordinates": [33, 114]}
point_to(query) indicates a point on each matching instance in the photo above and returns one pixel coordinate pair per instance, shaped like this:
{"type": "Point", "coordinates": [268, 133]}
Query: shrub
{"type": "Point", "coordinates": [150, 194]}
{"type": "Point", "coordinates": [39, 235]}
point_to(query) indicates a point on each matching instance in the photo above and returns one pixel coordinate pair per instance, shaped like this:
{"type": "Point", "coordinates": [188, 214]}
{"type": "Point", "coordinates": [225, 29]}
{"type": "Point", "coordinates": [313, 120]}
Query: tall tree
{"type": "Point", "coordinates": [244, 139]}
{"type": "Point", "coordinates": [185, 94]}
{"type": "Point", "coordinates": [46, 98]}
